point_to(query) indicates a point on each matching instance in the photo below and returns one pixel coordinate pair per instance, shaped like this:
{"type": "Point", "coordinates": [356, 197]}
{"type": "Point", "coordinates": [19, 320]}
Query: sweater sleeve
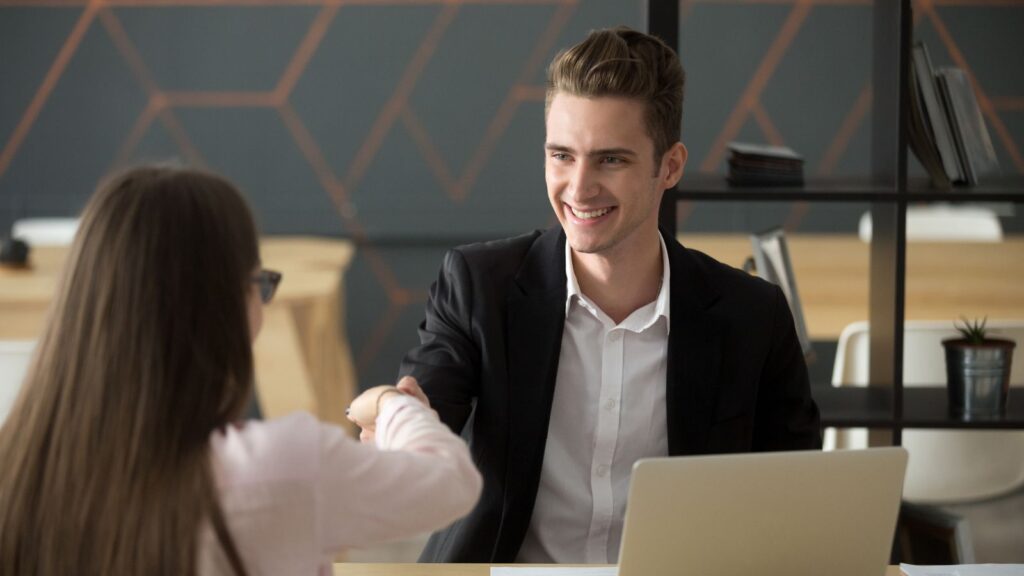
{"type": "Point", "coordinates": [419, 477]}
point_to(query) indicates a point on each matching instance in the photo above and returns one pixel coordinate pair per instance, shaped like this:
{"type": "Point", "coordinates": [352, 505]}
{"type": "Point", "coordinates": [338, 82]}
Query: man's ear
{"type": "Point", "coordinates": [672, 164]}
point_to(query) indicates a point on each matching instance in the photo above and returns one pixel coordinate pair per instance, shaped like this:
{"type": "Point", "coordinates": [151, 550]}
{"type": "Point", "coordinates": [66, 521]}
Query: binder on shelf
{"type": "Point", "coordinates": [761, 165]}
{"type": "Point", "coordinates": [933, 116]}
{"type": "Point", "coordinates": [977, 155]}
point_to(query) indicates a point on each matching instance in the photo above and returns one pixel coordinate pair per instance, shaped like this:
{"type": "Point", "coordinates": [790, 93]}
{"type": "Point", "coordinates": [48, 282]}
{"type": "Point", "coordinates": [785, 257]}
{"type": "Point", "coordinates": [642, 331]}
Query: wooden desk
{"type": "Point", "coordinates": [449, 570]}
{"type": "Point", "coordinates": [302, 356]}
{"type": "Point", "coordinates": [944, 280]}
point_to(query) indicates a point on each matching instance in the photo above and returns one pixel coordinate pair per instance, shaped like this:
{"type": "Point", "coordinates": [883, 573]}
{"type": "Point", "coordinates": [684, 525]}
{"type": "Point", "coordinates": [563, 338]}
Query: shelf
{"type": "Point", "coordinates": [716, 188]}
{"type": "Point", "coordinates": [928, 408]}
{"type": "Point", "coordinates": [923, 408]}
{"type": "Point", "coordinates": [854, 407]}
{"type": "Point", "coordinates": [1008, 189]}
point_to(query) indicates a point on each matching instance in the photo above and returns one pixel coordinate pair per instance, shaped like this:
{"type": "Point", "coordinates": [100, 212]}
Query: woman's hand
{"type": "Point", "coordinates": [366, 407]}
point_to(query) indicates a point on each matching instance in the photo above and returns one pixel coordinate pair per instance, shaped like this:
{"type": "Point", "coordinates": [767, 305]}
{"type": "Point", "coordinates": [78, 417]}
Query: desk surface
{"type": "Point", "coordinates": [347, 569]}
{"type": "Point", "coordinates": [944, 280]}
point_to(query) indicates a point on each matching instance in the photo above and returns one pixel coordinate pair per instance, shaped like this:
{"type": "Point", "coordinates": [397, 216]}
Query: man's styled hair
{"type": "Point", "coordinates": [625, 63]}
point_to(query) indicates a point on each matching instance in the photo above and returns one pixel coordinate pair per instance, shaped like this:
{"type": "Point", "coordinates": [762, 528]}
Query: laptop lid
{"type": "Point", "coordinates": [766, 514]}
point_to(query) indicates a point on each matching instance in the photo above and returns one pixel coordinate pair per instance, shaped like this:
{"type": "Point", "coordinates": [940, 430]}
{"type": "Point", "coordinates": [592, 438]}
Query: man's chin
{"type": "Point", "coordinates": [586, 247]}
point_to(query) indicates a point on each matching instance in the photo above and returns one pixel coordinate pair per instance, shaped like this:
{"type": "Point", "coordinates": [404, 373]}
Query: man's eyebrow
{"type": "Point", "coordinates": [599, 152]}
{"type": "Point", "coordinates": [613, 152]}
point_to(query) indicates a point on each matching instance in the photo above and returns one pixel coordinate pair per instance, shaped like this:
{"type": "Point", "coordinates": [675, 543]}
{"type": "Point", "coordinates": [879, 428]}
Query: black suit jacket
{"type": "Point", "coordinates": [489, 351]}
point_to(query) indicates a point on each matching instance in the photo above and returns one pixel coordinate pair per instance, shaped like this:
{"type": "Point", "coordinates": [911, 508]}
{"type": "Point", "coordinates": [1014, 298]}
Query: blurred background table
{"type": "Point", "coordinates": [302, 357]}
{"type": "Point", "coordinates": [944, 280]}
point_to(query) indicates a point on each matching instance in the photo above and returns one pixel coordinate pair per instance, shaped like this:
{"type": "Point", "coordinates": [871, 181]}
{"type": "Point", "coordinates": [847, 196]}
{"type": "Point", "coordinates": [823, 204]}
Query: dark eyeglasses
{"type": "Point", "coordinates": [267, 281]}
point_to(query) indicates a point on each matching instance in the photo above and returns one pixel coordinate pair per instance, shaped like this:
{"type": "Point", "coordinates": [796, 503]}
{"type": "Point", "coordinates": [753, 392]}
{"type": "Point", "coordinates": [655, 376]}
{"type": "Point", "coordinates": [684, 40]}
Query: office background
{"type": "Point", "coordinates": [412, 126]}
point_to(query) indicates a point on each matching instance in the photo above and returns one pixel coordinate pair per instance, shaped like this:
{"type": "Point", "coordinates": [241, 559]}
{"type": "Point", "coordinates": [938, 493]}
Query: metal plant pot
{"type": "Point", "coordinates": [978, 377]}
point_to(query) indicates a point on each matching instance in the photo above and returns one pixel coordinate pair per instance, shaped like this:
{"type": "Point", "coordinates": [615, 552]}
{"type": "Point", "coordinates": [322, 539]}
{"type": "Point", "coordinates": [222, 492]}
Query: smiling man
{"type": "Point", "coordinates": [565, 355]}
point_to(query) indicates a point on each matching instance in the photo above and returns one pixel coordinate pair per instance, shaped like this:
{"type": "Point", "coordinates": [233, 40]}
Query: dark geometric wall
{"type": "Point", "coordinates": [412, 125]}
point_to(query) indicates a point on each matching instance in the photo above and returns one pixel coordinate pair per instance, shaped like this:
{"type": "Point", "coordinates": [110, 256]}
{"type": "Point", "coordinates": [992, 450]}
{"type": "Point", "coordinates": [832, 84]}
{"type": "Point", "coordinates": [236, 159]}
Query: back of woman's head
{"type": "Point", "coordinates": [146, 352]}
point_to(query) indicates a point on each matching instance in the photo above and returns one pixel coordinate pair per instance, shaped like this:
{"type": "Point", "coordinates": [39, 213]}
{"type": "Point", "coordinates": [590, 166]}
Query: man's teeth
{"type": "Point", "coordinates": [591, 214]}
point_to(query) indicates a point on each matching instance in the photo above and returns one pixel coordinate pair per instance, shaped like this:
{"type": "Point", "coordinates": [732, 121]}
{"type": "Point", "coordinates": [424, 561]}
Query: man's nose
{"type": "Point", "coordinates": [582, 182]}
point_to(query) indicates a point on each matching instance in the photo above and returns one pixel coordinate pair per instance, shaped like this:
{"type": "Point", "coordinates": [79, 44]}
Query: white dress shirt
{"type": "Point", "coordinates": [608, 411]}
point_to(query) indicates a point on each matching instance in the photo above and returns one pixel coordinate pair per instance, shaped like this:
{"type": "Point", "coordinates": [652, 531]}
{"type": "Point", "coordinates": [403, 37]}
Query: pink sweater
{"type": "Point", "coordinates": [296, 491]}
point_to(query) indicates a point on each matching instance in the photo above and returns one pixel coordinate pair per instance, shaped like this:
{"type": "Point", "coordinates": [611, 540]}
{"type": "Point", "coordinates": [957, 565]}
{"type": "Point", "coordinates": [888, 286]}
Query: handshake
{"type": "Point", "coordinates": [364, 409]}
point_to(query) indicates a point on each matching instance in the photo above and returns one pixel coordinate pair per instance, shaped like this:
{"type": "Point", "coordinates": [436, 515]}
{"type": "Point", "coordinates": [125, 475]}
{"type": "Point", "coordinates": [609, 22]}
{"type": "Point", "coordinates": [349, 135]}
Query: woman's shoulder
{"type": "Point", "coordinates": [276, 450]}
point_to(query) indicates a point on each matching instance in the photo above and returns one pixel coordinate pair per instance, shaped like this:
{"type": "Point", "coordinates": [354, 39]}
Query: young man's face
{"type": "Point", "coordinates": [602, 179]}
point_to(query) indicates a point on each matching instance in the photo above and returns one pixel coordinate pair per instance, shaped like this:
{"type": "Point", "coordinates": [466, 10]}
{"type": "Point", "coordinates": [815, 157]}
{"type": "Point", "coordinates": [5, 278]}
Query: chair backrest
{"type": "Point", "coordinates": [945, 466]}
{"type": "Point", "coordinates": [14, 359]}
{"type": "Point", "coordinates": [943, 223]}
{"type": "Point", "coordinates": [45, 231]}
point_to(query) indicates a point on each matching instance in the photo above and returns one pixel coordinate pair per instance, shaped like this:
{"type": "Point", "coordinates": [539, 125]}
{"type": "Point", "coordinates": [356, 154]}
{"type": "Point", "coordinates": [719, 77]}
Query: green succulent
{"type": "Point", "coordinates": [973, 332]}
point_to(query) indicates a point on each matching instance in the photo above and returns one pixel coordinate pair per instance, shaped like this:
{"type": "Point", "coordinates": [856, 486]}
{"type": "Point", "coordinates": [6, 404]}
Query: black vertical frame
{"type": "Point", "coordinates": [662, 17]}
{"type": "Point", "coordinates": [891, 47]}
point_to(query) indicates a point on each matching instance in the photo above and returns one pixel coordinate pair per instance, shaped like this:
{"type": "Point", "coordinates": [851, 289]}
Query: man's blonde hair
{"type": "Point", "coordinates": [625, 63]}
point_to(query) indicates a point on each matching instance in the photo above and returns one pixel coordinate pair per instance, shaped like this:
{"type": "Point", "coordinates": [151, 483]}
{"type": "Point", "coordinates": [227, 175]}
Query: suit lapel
{"type": "Point", "coordinates": [694, 357]}
{"type": "Point", "coordinates": [536, 316]}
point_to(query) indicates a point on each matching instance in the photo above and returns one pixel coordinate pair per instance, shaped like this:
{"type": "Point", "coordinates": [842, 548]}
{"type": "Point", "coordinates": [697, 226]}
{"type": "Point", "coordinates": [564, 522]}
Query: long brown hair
{"type": "Point", "coordinates": [104, 458]}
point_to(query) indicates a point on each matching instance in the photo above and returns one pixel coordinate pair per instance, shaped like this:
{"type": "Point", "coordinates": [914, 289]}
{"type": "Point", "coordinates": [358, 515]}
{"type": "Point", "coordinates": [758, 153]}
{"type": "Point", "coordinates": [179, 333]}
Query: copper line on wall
{"type": "Point", "coordinates": [771, 133]}
{"type": "Point", "coordinates": [286, 3]}
{"type": "Point", "coordinates": [397, 303]}
{"type": "Point", "coordinates": [393, 108]}
{"type": "Point", "coordinates": [53, 75]}
{"type": "Point", "coordinates": [307, 48]}
{"type": "Point", "coordinates": [499, 124]}
{"type": "Point", "coordinates": [311, 152]}
{"type": "Point", "coordinates": [1007, 103]}
{"type": "Point", "coordinates": [138, 130]}
{"type": "Point", "coordinates": [433, 158]}
{"type": "Point", "coordinates": [126, 48]}
{"type": "Point", "coordinates": [202, 99]}
{"type": "Point", "coordinates": [797, 212]}
{"type": "Point", "coordinates": [851, 123]}
{"type": "Point", "coordinates": [684, 210]}
{"type": "Point", "coordinates": [530, 93]}
{"type": "Point", "coordinates": [757, 83]}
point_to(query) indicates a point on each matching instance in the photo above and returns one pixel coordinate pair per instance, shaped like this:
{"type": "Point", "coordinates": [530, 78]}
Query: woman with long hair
{"type": "Point", "coordinates": [121, 456]}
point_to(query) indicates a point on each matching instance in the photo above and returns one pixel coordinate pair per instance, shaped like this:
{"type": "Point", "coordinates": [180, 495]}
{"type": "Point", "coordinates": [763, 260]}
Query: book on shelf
{"type": "Point", "coordinates": [762, 165]}
{"type": "Point", "coordinates": [973, 143]}
{"type": "Point", "coordinates": [929, 114]}
{"type": "Point", "coordinates": [946, 129]}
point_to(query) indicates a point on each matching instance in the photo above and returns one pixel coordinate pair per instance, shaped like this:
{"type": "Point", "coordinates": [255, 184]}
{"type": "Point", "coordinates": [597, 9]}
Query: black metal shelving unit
{"type": "Point", "coordinates": [885, 405]}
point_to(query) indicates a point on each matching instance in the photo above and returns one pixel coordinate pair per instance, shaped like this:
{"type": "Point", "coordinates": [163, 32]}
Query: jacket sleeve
{"type": "Point", "coordinates": [419, 477]}
{"type": "Point", "coordinates": [447, 361]}
{"type": "Point", "coordinates": [787, 416]}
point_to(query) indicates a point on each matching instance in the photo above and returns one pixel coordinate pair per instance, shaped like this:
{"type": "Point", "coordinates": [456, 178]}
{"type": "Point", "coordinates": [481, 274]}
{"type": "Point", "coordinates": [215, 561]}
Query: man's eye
{"type": "Point", "coordinates": [560, 156]}
{"type": "Point", "coordinates": [612, 160]}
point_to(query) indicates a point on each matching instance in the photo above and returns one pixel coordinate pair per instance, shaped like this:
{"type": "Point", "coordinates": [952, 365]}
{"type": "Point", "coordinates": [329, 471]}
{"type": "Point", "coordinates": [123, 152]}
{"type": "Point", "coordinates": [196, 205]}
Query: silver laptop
{"type": "Point", "coordinates": [769, 514]}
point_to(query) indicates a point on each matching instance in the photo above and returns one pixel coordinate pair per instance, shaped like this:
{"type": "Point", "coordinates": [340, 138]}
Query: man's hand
{"type": "Point", "coordinates": [365, 408]}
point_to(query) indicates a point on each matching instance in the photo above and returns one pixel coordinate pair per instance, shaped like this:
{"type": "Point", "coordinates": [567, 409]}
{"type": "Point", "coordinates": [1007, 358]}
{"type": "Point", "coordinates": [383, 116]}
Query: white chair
{"type": "Point", "coordinates": [945, 466]}
{"type": "Point", "coordinates": [45, 231]}
{"type": "Point", "coordinates": [14, 359]}
{"type": "Point", "coordinates": [945, 223]}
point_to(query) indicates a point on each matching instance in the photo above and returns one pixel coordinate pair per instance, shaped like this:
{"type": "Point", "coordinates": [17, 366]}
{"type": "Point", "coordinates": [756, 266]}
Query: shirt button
{"type": "Point", "coordinates": [610, 404]}
{"type": "Point", "coordinates": [615, 336]}
{"type": "Point", "coordinates": [602, 471]}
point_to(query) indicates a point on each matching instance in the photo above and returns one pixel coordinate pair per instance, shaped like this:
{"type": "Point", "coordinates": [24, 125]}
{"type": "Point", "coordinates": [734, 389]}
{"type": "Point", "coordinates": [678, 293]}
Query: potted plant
{"type": "Point", "coordinates": [978, 371]}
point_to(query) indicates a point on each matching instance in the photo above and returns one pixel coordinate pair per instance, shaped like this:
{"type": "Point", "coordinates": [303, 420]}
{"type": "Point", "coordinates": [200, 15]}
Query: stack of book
{"type": "Point", "coordinates": [759, 165]}
{"type": "Point", "coordinates": [947, 131]}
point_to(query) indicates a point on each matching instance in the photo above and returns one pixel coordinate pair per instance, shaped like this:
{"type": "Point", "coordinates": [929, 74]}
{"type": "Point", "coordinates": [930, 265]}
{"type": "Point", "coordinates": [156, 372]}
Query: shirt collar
{"type": "Point", "coordinates": [661, 305]}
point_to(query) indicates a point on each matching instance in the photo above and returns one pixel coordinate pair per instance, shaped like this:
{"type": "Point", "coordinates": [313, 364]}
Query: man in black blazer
{"type": "Point", "coordinates": [564, 355]}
